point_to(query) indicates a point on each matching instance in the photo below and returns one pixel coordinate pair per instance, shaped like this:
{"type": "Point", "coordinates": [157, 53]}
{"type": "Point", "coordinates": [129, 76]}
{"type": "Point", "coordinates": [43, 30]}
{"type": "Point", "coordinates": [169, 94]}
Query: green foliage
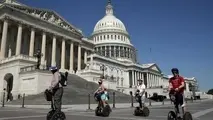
{"type": "Point", "coordinates": [210, 92]}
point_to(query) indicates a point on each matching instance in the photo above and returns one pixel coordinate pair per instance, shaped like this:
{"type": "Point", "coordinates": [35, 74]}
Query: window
{"type": "Point", "coordinates": [108, 37]}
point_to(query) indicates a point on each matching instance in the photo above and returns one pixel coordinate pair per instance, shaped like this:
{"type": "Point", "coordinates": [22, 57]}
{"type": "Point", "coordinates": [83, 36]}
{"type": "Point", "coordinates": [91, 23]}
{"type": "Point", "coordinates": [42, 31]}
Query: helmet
{"type": "Point", "coordinates": [175, 70]}
{"type": "Point", "coordinates": [53, 68]}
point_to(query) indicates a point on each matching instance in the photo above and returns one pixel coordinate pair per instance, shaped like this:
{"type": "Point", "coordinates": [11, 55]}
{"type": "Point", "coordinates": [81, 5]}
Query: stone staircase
{"type": "Point", "coordinates": [76, 92]}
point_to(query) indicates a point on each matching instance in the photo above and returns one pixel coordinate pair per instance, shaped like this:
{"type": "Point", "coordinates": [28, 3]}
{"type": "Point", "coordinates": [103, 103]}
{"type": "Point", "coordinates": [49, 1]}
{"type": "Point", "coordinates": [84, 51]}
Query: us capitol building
{"type": "Point", "coordinates": [25, 30]}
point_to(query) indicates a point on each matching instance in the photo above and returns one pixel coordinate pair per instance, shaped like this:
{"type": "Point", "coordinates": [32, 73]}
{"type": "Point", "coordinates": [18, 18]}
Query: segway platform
{"type": "Point", "coordinates": [53, 114]}
{"type": "Point", "coordinates": [172, 115]}
{"type": "Point", "coordinates": [100, 111]}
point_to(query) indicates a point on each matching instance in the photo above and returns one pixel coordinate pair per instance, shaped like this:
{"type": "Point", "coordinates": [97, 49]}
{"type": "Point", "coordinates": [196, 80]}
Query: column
{"type": "Point", "coordinates": [124, 52]}
{"type": "Point", "coordinates": [114, 51]}
{"type": "Point", "coordinates": [133, 81]}
{"type": "Point", "coordinates": [110, 51]}
{"type": "Point", "coordinates": [63, 47]}
{"type": "Point", "coordinates": [105, 52]}
{"type": "Point", "coordinates": [71, 56]}
{"type": "Point", "coordinates": [43, 48]}
{"type": "Point", "coordinates": [53, 61]}
{"type": "Point", "coordinates": [4, 39]}
{"type": "Point", "coordinates": [32, 42]}
{"type": "Point", "coordinates": [148, 82]}
{"type": "Point", "coordinates": [85, 56]}
{"type": "Point", "coordinates": [142, 76]}
{"type": "Point", "coordinates": [91, 61]}
{"type": "Point", "coordinates": [79, 57]}
{"type": "Point", "coordinates": [18, 43]}
{"type": "Point", "coordinates": [101, 51]}
{"type": "Point", "coordinates": [136, 82]}
{"type": "Point", "coordinates": [119, 51]}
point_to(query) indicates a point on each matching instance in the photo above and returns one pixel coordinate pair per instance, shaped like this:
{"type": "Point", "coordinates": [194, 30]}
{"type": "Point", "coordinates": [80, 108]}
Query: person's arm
{"type": "Point", "coordinates": [170, 85]}
{"type": "Point", "coordinates": [182, 83]}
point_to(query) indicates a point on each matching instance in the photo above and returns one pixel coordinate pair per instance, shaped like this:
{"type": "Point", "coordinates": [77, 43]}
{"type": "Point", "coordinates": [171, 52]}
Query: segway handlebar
{"type": "Point", "coordinates": [48, 95]}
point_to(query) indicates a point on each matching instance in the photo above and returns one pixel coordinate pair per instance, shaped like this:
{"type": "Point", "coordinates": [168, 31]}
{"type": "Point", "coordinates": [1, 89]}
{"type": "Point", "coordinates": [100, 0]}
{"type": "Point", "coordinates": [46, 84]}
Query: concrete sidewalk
{"type": "Point", "coordinates": [83, 107]}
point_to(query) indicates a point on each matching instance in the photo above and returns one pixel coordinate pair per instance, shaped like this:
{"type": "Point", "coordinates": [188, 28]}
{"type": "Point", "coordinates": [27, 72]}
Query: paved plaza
{"type": "Point", "coordinates": [200, 111]}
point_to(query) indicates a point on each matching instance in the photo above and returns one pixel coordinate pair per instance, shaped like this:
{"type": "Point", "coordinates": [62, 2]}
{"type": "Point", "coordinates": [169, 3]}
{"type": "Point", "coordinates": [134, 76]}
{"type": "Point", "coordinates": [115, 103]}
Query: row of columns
{"type": "Point", "coordinates": [43, 47]}
{"type": "Point", "coordinates": [116, 51]}
{"type": "Point", "coordinates": [153, 80]}
{"type": "Point", "coordinates": [136, 75]}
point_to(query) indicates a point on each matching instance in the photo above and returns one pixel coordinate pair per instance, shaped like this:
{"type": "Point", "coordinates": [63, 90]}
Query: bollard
{"type": "Point", "coordinates": [163, 102]}
{"type": "Point", "coordinates": [89, 102]}
{"type": "Point", "coordinates": [150, 103]}
{"type": "Point", "coordinates": [113, 105]}
{"type": "Point", "coordinates": [23, 100]}
{"type": "Point", "coordinates": [132, 101]}
{"type": "Point", "coordinates": [3, 99]}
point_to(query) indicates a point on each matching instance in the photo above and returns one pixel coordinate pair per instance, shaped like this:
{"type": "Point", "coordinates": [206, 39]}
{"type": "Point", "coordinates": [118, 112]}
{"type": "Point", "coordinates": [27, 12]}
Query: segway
{"type": "Point", "coordinates": [144, 111]}
{"type": "Point", "coordinates": [53, 114]}
{"type": "Point", "coordinates": [172, 115]}
{"type": "Point", "coordinates": [100, 110]}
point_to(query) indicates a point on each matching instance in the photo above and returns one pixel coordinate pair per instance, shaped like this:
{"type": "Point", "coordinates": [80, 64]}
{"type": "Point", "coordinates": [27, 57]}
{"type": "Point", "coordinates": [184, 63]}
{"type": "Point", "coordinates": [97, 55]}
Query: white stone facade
{"type": "Point", "coordinates": [108, 52]}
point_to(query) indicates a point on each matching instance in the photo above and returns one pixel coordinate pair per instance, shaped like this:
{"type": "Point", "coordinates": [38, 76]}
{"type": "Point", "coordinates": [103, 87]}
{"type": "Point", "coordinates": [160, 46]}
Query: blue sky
{"type": "Point", "coordinates": [178, 32]}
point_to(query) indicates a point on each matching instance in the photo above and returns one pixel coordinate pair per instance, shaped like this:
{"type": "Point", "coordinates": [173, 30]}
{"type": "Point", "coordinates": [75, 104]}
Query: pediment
{"type": "Point", "coordinates": [155, 68]}
{"type": "Point", "coordinates": [47, 15]}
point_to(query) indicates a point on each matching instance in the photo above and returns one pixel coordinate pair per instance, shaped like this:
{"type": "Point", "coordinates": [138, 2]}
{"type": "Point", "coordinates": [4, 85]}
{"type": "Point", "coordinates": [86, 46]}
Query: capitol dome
{"type": "Point", "coordinates": [111, 38]}
{"type": "Point", "coordinates": [109, 22]}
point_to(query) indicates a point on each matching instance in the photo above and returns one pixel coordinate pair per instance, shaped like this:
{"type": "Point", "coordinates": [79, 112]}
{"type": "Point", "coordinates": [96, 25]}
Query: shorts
{"type": "Point", "coordinates": [179, 99]}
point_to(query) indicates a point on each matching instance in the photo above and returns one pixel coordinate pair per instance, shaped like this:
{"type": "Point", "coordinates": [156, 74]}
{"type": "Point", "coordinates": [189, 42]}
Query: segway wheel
{"type": "Point", "coordinates": [145, 112]}
{"type": "Point", "coordinates": [97, 111]}
{"type": "Point", "coordinates": [106, 111]}
{"type": "Point", "coordinates": [50, 114]}
{"type": "Point", "coordinates": [59, 116]}
{"type": "Point", "coordinates": [171, 115]}
{"type": "Point", "coordinates": [187, 116]}
{"type": "Point", "coordinates": [137, 111]}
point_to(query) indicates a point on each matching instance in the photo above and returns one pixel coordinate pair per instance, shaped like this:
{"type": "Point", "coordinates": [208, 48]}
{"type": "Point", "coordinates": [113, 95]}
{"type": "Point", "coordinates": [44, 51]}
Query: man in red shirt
{"type": "Point", "coordinates": [176, 83]}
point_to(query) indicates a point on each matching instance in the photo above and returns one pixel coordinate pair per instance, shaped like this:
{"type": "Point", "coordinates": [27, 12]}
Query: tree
{"type": "Point", "coordinates": [210, 92]}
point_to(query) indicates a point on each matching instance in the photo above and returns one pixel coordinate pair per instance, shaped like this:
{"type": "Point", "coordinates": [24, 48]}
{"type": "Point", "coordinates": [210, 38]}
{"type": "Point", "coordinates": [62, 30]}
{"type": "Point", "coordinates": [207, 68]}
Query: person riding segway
{"type": "Point", "coordinates": [55, 93]}
{"type": "Point", "coordinates": [142, 110]}
{"type": "Point", "coordinates": [176, 94]}
{"type": "Point", "coordinates": [101, 96]}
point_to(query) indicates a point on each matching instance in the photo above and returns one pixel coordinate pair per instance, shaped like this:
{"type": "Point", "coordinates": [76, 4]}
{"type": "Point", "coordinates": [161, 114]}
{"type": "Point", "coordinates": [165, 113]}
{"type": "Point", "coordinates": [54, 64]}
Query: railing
{"type": "Point", "coordinates": [33, 68]}
{"type": "Point", "coordinates": [18, 57]}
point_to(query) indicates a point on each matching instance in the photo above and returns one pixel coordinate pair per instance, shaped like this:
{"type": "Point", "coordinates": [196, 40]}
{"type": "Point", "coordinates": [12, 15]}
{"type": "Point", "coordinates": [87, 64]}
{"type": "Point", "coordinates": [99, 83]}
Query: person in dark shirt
{"type": "Point", "coordinates": [176, 84]}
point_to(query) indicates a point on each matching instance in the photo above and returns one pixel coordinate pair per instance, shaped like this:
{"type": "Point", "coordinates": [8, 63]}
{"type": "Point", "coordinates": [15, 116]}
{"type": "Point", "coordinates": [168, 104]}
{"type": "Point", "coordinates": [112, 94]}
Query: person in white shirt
{"type": "Point", "coordinates": [142, 89]}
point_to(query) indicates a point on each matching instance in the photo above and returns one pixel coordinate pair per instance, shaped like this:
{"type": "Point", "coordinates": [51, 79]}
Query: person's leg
{"type": "Point", "coordinates": [182, 103]}
{"type": "Point", "coordinates": [140, 101]}
{"type": "Point", "coordinates": [58, 99]}
{"type": "Point", "coordinates": [143, 100]}
{"type": "Point", "coordinates": [103, 97]}
{"type": "Point", "coordinates": [176, 103]}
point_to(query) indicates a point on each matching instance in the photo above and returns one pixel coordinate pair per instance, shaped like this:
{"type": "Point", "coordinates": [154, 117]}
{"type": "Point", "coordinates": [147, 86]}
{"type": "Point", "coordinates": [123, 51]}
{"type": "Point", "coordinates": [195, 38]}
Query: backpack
{"type": "Point", "coordinates": [63, 80]}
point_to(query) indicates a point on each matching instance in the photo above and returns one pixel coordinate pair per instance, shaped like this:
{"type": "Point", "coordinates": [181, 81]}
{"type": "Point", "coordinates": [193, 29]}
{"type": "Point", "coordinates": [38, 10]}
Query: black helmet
{"type": "Point", "coordinates": [175, 70]}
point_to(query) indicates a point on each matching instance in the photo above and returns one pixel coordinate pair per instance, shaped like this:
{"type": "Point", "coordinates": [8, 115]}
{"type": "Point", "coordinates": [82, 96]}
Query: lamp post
{"type": "Point", "coordinates": [103, 68]}
{"type": "Point", "coordinates": [38, 55]}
